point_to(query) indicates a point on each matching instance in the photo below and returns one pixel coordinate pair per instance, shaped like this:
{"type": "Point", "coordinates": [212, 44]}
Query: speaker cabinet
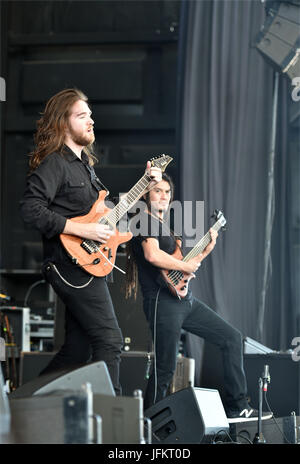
{"type": "Point", "coordinates": [283, 431]}
{"type": "Point", "coordinates": [32, 363]}
{"type": "Point", "coordinates": [191, 415]}
{"type": "Point", "coordinates": [133, 370]}
{"type": "Point", "coordinates": [283, 391]}
{"type": "Point", "coordinates": [136, 365]}
{"type": "Point", "coordinates": [130, 314]}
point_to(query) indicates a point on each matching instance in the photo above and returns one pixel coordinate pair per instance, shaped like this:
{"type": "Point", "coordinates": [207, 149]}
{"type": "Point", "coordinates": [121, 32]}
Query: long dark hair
{"type": "Point", "coordinates": [50, 132]}
{"type": "Point", "coordinates": [131, 280]}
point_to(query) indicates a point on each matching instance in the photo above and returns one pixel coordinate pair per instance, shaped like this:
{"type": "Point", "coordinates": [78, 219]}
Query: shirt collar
{"type": "Point", "coordinates": [70, 155]}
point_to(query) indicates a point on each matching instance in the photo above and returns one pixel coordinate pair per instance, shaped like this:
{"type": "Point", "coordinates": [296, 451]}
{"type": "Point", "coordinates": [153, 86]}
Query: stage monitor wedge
{"type": "Point", "coordinates": [191, 415]}
{"type": "Point", "coordinates": [94, 373]}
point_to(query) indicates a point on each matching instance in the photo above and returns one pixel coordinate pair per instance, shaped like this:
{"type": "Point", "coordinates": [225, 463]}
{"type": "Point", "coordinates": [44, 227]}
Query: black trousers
{"type": "Point", "coordinates": [92, 332]}
{"type": "Point", "coordinates": [172, 315]}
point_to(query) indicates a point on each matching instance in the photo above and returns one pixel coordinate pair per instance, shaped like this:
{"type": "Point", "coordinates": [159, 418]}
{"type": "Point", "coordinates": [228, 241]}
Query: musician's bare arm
{"type": "Point", "coordinates": [163, 260]}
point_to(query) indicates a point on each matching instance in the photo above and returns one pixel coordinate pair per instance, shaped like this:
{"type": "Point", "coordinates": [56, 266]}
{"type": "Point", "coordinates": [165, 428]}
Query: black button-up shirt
{"type": "Point", "coordinates": [63, 186]}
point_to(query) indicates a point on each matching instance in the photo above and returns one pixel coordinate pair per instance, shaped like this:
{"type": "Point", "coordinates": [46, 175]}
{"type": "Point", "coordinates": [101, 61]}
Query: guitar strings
{"type": "Point", "coordinates": [176, 276]}
{"type": "Point", "coordinates": [113, 217]}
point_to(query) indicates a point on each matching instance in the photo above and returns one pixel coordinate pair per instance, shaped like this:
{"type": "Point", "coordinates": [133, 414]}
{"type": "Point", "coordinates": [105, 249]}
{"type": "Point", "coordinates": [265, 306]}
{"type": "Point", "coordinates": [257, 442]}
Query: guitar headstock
{"type": "Point", "coordinates": [219, 217]}
{"type": "Point", "coordinates": [161, 162]}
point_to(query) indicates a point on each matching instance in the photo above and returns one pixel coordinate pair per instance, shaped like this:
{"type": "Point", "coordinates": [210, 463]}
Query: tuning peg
{"type": "Point", "coordinates": [215, 214]}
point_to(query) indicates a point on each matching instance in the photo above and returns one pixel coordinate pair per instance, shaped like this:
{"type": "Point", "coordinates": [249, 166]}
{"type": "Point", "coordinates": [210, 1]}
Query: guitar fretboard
{"type": "Point", "coordinates": [202, 244]}
{"type": "Point", "coordinates": [128, 200]}
{"type": "Point", "coordinates": [176, 276]}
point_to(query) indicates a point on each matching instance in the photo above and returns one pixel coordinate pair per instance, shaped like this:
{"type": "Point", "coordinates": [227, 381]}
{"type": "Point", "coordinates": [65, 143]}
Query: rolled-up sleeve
{"type": "Point", "coordinates": [36, 204]}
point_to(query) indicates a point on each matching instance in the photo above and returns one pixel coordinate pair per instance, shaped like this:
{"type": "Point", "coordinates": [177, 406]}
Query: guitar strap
{"type": "Point", "coordinates": [96, 182]}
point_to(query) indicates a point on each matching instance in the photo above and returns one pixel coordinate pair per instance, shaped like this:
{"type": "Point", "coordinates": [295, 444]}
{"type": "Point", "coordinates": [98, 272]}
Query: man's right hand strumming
{"type": "Point", "coordinates": [92, 231]}
{"type": "Point", "coordinates": [191, 266]}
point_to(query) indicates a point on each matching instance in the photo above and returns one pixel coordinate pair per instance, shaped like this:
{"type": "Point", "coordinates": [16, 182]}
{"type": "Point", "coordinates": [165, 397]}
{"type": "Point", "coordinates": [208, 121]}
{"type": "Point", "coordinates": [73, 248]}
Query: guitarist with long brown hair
{"type": "Point", "coordinates": [150, 251]}
{"type": "Point", "coordinates": [61, 190]}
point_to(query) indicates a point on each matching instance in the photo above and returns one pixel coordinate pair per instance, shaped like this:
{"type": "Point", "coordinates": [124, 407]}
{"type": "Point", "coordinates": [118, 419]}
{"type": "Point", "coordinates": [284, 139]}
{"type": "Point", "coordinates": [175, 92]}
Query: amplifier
{"type": "Point", "coordinates": [19, 322]}
{"type": "Point", "coordinates": [135, 365]}
{"type": "Point", "coordinates": [279, 430]}
{"type": "Point", "coordinates": [284, 388]}
{"type": "Point", "coordinates": [184, 375]}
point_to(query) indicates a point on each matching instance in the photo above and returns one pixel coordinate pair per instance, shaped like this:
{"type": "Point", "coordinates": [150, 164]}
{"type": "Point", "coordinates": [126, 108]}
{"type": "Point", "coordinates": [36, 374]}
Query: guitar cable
{"type": "Point", "coordinates": [154, 345]}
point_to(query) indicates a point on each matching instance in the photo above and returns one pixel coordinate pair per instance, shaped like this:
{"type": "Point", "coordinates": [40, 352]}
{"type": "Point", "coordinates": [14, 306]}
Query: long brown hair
{"type": "Point", "coordinates": [50, 134]}
{"type": "Point", "coordinates": [131, 281]}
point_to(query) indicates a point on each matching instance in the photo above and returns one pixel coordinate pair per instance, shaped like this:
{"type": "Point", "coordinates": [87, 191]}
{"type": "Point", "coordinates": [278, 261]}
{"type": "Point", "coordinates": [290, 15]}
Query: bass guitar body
{"type": "Point", "coordinates": [177, 281]}
{"type": "Point", "coordinates": [94, 257]}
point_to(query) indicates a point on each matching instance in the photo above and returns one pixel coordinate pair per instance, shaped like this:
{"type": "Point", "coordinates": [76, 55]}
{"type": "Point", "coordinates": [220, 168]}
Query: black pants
{"type": "Point", "coordinates": [195, 317]}
{"type": "Point", "coordinates": [91, 328]}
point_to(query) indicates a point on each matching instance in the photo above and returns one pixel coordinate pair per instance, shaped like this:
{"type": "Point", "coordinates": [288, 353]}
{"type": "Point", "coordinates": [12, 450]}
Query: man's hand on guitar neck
{"type": "Point", "coordinates": [154, 173]}
{"type": "Point", "coordinates": [92, 231]}
{"type": "Point", "coordinates": [194, 263]}
{"type": "Point", "coordinates": [213, 235]}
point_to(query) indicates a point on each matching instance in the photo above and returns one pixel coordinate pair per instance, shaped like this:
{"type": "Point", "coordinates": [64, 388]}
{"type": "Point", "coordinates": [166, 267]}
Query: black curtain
{"type": "Point", "coordinates": [224, 129]}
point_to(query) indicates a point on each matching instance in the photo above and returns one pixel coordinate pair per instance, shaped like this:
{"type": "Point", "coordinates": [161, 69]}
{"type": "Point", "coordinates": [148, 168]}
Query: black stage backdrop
{"type": "Point", "coordinates": [224, 131]}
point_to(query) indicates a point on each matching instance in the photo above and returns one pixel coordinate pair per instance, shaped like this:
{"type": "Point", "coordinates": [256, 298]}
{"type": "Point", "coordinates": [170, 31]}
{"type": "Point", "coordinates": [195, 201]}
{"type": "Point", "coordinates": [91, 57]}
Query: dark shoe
{"type": "Point", "coordinates": [247, 414]}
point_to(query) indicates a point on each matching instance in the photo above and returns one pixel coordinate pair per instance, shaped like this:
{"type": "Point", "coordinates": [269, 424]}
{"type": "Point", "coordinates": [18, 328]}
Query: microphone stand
{"type": "Point", "coordinates": [263, 387]}
{"type": "Point", "coordinates": [259, 438]}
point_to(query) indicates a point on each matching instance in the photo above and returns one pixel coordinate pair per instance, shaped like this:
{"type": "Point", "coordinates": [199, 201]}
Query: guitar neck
{"type": "Point", "coordinates": [202, 244]}
{"type": "Point", "coordinates": [128, 200]}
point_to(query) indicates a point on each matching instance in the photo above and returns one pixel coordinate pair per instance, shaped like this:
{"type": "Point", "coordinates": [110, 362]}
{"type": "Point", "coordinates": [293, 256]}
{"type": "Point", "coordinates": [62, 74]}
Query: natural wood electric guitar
{"type": "Point", "coordinates": [178, 281]}
{"type": "Point", "coordinates": [95, 257]}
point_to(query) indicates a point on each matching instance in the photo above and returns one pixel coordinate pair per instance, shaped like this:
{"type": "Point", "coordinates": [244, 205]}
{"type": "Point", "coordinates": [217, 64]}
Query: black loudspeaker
{"type": "Point", "coordinates": [283, 431]}
{"type": "Point", "coordinates": [279, 39]}
{"type": "Point", "coordinates": [95, 373]}
{"type": "Point", "coordinates": [129, 312]}
{"type": "Point", "coordinates": [133, 371]}
{"type": "Point", "coordinates": [284, 389]}
{"type": "Point", "coordinates": [32, 363]}
{"type": "Point", "coordinates": [136, 367]}
{"type": "Point", "coordinates": [191, 415]}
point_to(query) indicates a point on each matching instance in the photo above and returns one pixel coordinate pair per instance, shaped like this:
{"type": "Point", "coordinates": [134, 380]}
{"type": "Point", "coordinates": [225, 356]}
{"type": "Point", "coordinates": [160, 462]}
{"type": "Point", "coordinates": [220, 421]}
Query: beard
{"type": "Point", "coordinates": [82, 139]}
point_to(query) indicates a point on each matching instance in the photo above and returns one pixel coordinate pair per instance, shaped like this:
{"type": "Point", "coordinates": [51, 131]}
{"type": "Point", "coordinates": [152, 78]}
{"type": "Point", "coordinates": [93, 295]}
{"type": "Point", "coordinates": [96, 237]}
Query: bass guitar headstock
{"type": "Point", "coordinates": [219, 217]}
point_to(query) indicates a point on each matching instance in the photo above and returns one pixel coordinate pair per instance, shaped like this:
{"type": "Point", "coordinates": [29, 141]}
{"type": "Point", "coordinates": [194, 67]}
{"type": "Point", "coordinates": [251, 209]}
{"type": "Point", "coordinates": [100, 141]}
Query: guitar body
{"type": "Point", "coordinates": [177, 281]}
{"type": "Point", "coordinates": [99, 262]}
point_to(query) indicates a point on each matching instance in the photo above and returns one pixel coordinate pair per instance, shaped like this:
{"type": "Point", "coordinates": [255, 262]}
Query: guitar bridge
{"type": "Point", "coordinates": [90, 246]}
